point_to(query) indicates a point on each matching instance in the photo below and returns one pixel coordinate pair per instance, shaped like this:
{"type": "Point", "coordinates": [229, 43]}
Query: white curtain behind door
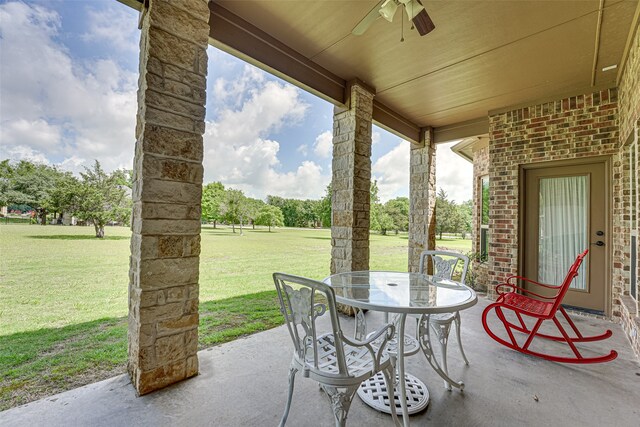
{"type": "Point", "coordinates": [562, 228]}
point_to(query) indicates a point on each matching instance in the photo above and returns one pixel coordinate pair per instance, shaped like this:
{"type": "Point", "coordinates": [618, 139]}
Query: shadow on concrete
{"type": "Point", "coordinates": [244, 383]}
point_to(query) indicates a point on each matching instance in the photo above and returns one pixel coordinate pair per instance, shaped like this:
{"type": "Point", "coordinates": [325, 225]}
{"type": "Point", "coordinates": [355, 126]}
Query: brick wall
{"type": "Point", "coordinates": [629, 107]}
{"type": "Point", "coordinates": [629, 90]}
{"type": "Point", "coordinates": [480, 169]}
{"type": "Point", "coordinates": [575, 127]}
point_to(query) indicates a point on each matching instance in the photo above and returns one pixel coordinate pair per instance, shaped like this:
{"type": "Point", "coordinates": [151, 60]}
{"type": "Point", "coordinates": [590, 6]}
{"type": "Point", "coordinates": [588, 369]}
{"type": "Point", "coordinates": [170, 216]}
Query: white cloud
{"type": "Point", "coordinates": [233, 93]}
{"type": "Point", "coordinates": [22, 152]}
{"type": "Point", "coordinates": [323, 145]}
{"type": "Point", "coordinates": [392, 172]}
{"type": "Point", "coordinates": [238, 151]}
{"type": "Point", "coordinates": [56, 105]}
{"type": "Point", "coordinates": [38, 133]}
{"type": "Point", "coordinates": [112, 25]}
{"type": "Point", "coordinates": [375, 137]}
{"type": "Point", "coordinates": [303, 149]}
{"type": "Point", "coordinates": [266, 110]}
{"type": "Point", "coordinates": [75, 164]}
{"type": "Point", "coordinates": [453, 174]}
{"type": "Point", "coordinates": [306, 182]}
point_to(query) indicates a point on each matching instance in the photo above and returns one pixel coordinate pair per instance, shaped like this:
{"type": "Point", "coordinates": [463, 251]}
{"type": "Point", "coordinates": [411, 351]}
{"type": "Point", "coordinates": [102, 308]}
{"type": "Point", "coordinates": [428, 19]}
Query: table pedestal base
{"type": "Point", "coordinates": [374, 393]}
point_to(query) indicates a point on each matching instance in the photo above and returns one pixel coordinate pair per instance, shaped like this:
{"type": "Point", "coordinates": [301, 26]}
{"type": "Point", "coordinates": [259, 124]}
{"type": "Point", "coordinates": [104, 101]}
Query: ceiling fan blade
{"type": "Point", "coordinates": [423, 23]}
{"type": "Point", "coordinates": [366, 22]}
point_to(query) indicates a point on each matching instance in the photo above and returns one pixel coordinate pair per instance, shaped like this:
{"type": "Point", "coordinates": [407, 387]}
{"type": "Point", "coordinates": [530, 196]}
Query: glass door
{"type": "Point", "coordinates": [566, 211]}
{"type": "Point", "coordinates": [562, 227]}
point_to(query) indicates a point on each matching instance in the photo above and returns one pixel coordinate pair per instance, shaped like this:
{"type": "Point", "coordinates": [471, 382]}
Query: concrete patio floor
{"type": "Point", "coordinates": [244, 383]}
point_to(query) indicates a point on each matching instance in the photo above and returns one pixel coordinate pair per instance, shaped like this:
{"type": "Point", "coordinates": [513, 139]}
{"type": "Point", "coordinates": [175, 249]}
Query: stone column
{"type": "Point", "coordinates": [422, 198]}
{"type": "Point", "coordinates": [165, 244]}
{"type": "Point", "coordinates": [351, 181]}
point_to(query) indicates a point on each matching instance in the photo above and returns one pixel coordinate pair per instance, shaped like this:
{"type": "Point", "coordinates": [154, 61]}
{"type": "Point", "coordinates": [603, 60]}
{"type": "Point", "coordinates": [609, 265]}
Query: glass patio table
{"type": "Point", "coordinates": [402, 294]}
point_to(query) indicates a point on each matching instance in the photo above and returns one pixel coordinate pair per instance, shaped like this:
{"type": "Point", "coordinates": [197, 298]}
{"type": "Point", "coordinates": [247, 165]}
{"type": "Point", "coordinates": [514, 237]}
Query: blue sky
{"type": "Point", "coordinates": [68, 80]}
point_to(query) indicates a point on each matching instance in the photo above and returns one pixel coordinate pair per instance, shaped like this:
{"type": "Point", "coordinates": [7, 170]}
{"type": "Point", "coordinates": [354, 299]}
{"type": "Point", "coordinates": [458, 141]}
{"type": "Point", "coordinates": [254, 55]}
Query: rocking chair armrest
{"type": "Point", "coordinates": [507, 285]}
{"type": "Point", "coordinates": [526, 291]}
{"type": "Point", "coordinates": [544, 285]}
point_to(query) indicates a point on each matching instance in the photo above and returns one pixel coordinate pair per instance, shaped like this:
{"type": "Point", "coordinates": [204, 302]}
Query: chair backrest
{"type": "Point", "coordinates": [302, 301]}
{"type": "Point", "coordinates": [444, 264]}
{"type": "Point", "coordinates": [571, 274]}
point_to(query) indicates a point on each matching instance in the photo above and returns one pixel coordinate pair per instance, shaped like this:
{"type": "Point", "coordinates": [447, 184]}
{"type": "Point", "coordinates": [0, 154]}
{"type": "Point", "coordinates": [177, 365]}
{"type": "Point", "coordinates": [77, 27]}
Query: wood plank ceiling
{"type": "Point", "coordinates": [482, 56]}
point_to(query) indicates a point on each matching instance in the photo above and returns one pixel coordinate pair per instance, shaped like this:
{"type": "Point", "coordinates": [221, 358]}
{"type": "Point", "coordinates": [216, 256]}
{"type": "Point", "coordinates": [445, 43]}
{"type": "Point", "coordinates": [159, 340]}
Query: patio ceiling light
{"type": "Point", "coordinates": [387, 9]}
{"type": "Point", "coordinates": [413, 8]}
{"type": "Point", "coordinates": [610, 67]}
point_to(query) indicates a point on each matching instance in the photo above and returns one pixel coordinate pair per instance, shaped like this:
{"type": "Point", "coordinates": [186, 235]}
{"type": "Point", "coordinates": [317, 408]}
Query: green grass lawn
{"type": "Point", "coordinates": [63, 296]}
{"type": "Point", "coordinates": [454, 243]}
{"type": "Point", "coordinates": [14, 219]}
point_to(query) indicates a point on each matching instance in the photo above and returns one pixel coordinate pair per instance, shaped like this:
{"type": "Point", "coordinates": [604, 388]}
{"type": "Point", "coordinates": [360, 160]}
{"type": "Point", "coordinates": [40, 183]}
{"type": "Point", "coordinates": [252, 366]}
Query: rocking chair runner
{"type": "Point", "coordinates": [541, 308]}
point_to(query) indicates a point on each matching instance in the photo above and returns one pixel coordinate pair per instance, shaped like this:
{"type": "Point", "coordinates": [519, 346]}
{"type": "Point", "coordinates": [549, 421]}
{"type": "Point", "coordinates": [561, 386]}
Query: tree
{"type": "Point", "coordinates": [444, 213]}
{"type": "Point", "coordinates": [376, 222]}
{"type": "Point", "coordinates": [100, 197]}
{"type": "Point", "coordinates": [456, 219]}
{"type": "Point", "coordinates": [466, 212]}
{"type": "Point", "coordinates": [212, 199]}
{"type": "Point", "coordinates": [271, 216]}
{"type": "Point", "coordinates": [324, 208]}
{"type": "Point", "coordinates": [292, 211]}
{"type": "Point", "coordinates": [6, 173]}
{"type": "Point", "coordinates": [30, 184]}
{"type": "Point", "coordinates": [62, 198]}
{"type": "Point", "coordinates": [280, 202]}
{"type": "Point", "coordinates": [451, 217]}
{"type": "Point", "coordinates": [252, 210]}
{"type": "Point", "coordinates": [309, 213]}
{"type": "Point", "coordinates": [297, 213]}
{"type": "Point", "coordinates": [124, 178]}
{"type": "Point", "coordinates": [398, 210]}
{"type": "Point", "coordinates": [384, 222]}
{"type": "Point", "coordinates": [233, 208]}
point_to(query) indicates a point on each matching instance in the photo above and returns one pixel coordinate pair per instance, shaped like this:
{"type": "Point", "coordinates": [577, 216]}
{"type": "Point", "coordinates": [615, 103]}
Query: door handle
{"type": "Point", "coordinates": [598, 243]}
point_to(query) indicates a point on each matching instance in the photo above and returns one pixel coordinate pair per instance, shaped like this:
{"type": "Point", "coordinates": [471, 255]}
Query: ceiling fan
{"type": "Point", "coordinates": [387, 9]}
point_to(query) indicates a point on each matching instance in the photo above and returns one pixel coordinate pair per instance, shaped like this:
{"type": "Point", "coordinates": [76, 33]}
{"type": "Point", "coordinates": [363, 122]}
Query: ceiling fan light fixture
{"type": "Point", "coordinates": [423, 23]}
{"type": "Point", "coordinates": [413, 8]}
{"type": "Point", "coordinates": [420, 19]}
{"type": "Point", "coordinates": [388, 10]}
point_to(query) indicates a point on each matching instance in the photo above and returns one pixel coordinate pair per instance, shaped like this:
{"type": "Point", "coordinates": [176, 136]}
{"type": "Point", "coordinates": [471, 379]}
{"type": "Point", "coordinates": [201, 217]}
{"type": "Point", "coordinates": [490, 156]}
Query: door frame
{"type": "Point", "coordinates": [606, 160]}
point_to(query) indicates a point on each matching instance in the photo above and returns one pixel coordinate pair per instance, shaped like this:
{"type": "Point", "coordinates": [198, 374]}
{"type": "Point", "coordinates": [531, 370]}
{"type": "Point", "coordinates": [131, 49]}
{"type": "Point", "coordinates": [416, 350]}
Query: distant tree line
{"type": "Point", "coordinates": [220, 204]}
{"type": "Point", "coordinates": [96, 197]}
{"type": "Point", "coordinates": [231, 206]}
{"type": "Point", "coordinates": [99, 198]}
{"type": "Point", "coordinates": [227, 205]}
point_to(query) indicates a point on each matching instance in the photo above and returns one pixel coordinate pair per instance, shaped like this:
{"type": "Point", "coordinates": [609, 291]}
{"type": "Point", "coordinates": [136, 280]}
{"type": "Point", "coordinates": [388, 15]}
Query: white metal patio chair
{"type": "Point", "coordinates": [337, 363]}
{"type": "Point", "coordinates": [444, 264]}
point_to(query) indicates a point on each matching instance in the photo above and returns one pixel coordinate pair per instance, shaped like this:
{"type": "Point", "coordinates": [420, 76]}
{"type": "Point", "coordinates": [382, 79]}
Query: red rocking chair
{"type": "Point", "coordinates": [541, 308]}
